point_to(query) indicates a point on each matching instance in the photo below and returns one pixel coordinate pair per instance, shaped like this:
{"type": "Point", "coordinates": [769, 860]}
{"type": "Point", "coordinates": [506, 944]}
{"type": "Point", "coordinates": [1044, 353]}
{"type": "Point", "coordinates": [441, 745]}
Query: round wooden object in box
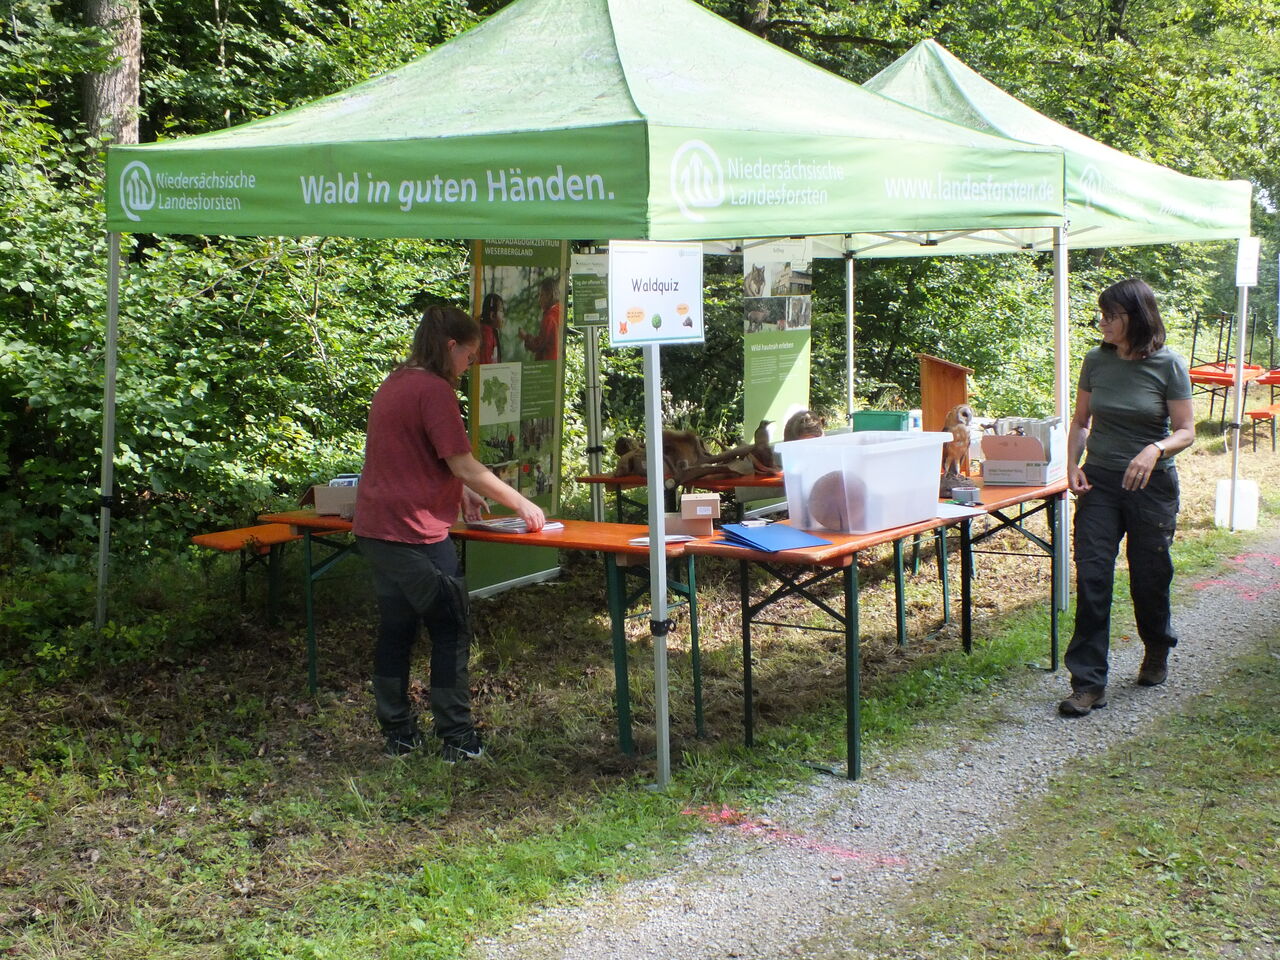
{"type": "Point", "coordinates": [827, 504]}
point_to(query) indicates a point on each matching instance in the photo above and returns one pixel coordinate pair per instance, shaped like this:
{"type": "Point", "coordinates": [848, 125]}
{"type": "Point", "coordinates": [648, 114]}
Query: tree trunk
{"type": "Point", "coordinates": [111, 97]}
{"type": "Point", "coordinates": [760, 19]}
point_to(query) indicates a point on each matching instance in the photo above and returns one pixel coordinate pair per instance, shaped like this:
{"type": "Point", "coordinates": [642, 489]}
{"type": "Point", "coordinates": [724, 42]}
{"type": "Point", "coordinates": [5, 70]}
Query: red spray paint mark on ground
{"type": "Point", "coordinates": [724, 816]}
{"type": "Point", "coordinates": [1244, 558]}
{"type": "Point", "coordinates": [1251, 592]}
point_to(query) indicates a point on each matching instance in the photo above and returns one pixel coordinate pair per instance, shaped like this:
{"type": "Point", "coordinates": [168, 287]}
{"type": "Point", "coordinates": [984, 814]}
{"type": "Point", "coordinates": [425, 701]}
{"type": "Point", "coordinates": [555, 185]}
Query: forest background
{"type": "Point", "coordinates": [247, 364]}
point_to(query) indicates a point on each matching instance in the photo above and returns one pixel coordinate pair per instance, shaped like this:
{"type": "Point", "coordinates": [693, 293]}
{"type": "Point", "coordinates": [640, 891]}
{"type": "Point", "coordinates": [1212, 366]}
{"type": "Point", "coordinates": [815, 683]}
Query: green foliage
{"type": "Point", "coordinates": [246, 365]}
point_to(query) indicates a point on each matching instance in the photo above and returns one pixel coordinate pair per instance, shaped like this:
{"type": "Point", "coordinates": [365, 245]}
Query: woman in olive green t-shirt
{"type": "Point", "coordinates": [1133, 414]}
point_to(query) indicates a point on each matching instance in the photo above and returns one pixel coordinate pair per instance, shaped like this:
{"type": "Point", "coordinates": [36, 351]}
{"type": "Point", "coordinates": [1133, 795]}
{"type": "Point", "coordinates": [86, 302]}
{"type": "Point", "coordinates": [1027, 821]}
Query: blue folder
{"type": "Point", "coordinates": [770, 538]}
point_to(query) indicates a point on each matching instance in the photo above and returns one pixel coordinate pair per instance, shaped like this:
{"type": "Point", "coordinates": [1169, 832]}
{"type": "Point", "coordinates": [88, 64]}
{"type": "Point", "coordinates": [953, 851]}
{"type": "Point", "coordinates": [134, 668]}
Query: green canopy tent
{"type": "Point", "coordinates": [1112, 199]}
{"type": "Point", "coordinates": [580, 119]}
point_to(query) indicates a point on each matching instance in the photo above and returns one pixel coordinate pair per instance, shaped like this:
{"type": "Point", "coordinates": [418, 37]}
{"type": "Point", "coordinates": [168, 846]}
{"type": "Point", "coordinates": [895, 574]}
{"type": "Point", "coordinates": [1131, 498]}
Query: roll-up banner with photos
{"type": "Point", "coordinates": [590, 289]}
{"type": "Point", "coordinates": [517, 391]}
{"type": "Point", "coordinates": [777, 307]}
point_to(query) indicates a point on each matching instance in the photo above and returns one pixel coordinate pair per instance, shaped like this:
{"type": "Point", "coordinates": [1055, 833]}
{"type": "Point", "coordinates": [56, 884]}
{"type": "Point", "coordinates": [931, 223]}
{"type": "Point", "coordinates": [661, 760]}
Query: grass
{"type": "Point", "coordinates": [200, 805]}
{"type": "Point", "coordinates": [1167, 846]}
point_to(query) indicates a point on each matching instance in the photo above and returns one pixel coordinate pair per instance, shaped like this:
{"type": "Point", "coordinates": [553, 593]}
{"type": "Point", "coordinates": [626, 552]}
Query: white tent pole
{"type": "Point", "coordinates": [108, 426]}
{"type": "Point", "coordinates": [593, 419]}
{"type": "Point", "coordinates": [657, 554]}
{"type": "Point", "coordinates": [1061, 400]}
{"type": "Point", "coordinates": [1237, 401]}
{"type": "Point", "coordinates": [850, 290]}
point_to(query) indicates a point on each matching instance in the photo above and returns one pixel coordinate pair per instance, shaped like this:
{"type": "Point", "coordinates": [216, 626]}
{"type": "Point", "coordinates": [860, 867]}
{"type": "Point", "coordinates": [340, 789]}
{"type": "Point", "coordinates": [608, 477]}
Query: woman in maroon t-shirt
{"type": "Point", "coordinates": [418, 473]}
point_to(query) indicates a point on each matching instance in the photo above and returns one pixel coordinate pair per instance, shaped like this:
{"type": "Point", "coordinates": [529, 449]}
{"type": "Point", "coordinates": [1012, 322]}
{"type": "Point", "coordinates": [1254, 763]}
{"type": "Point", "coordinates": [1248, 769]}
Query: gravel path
{"type": "Point", "coordinates": [762, 886]}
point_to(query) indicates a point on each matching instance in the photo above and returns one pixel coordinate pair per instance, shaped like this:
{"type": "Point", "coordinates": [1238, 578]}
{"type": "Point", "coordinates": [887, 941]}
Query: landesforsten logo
{"type": "Point", "coordinates": [697, 179]}
{"type": "Point", "coordinates": [137, 192]}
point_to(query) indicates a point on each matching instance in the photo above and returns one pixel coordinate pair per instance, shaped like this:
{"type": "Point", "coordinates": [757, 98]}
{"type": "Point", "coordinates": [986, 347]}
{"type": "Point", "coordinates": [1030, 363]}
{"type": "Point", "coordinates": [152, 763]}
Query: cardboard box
{"type": "Point", "coordinates": [700, 506]}
{"type": "Point", "coordinates": [691, 526]}
{"type": "Point", "coordinates": [1024, 461]}
{"type": "Point", "coordinates": [331, 501]}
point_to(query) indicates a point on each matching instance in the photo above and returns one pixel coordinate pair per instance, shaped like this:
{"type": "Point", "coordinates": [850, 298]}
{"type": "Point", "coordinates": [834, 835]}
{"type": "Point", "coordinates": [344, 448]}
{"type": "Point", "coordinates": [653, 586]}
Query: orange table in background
{"type": "Point", "coordinates": [1218, 378]}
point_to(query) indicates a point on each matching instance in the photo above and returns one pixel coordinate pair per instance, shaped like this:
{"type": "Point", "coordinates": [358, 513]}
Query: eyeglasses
{"type": "Point", "coordinates": [1102, 317]}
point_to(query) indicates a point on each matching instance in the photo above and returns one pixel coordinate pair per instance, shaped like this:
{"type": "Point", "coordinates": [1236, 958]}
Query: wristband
{"type": "Point", "coordinates": [1159, 446]}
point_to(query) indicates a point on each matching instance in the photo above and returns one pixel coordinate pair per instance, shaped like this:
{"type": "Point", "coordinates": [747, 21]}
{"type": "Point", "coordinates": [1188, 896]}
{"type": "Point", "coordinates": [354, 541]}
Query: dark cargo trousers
{"type": "Point", "coordinates": [1146, 520]}
{"type": "Point", "coordinates": [418, 584]}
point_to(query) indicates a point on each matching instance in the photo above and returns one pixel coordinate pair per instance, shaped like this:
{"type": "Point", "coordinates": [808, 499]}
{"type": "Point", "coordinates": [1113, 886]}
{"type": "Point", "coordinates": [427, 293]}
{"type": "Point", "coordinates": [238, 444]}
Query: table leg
{"type": "Point", "coordinates": [899, 592]}
{"type": "Point", "coordinates": [695, 653]}
{"type": "Point", "coordinates": [309, 597]}
{"type": "Point", "coordinates": [944, 574]}
{"type": "Point", "coordinates": [748, 731]}
{"type": "Point", "coordinates": [966, 585]}
{"type": "Point", "coordinates": [1055, 568]}
{"type": "Point", "coordinates": [853, 673]}
{"type": "Point", "coordinates": [614, 595]}
{"type": "Point", "coordinates": [275, 571]}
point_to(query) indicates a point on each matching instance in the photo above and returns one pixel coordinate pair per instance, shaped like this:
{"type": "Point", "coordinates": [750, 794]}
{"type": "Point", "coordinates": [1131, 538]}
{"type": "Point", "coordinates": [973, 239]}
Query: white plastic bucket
{"type": "Point", "coordinates": [1246, 517]}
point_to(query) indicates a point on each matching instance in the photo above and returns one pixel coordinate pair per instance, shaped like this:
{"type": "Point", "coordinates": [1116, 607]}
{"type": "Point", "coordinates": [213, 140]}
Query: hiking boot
{"type": "Point", "coordinates": [1082, 702]}
{"type": "Point", "coordinates": [1154, 669]}
{"type": "Point", "coordinates": [403, 740]}
{"type": "Point", "coordinates": [465, 746]}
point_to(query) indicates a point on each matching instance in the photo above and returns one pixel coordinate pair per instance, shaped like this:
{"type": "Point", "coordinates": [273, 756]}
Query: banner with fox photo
{"type": "Point", "coordinates": [777, 309]}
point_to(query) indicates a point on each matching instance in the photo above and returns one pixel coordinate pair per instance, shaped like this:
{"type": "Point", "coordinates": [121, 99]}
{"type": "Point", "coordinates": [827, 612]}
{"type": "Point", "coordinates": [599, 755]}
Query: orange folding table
{"type": "Point", "coordinates": [796, 573]}
{"type": "Point", "coordinates": [611, 539]}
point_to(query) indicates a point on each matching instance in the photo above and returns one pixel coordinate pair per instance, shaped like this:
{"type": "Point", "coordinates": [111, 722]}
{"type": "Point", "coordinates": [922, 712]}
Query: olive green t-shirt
{"type": "Point", "coordinates": [1129, 402]}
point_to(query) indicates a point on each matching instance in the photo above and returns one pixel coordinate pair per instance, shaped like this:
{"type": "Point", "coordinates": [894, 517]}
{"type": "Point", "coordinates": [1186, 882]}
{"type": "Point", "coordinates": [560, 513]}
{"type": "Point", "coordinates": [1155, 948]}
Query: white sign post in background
{"type": "Point", "coordinates": [655, 297]}
{"type": "Point", "coordinates": [1241, 490]}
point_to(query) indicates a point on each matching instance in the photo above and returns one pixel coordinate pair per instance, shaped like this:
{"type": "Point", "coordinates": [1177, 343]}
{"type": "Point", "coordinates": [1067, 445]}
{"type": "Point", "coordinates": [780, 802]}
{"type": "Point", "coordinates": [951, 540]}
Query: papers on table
{"type": "Point", "coordinates": [511, 525]}
{"type": "Point", "coordinates": [958, 511]}
{"type": "Point", "coordinates": [669, 538]}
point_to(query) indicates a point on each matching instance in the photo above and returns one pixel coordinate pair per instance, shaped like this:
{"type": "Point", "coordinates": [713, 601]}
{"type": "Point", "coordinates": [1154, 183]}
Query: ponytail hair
{"type": "Point", "coordinates": [440, 324]}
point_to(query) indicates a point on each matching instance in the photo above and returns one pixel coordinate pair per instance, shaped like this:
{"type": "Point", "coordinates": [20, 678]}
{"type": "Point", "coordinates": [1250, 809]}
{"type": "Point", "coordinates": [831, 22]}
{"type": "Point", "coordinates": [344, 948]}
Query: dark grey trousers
{"type": "Point", "coordinates": [1146, 520]}
{"type": "Point", "coordinates": [418, 584]}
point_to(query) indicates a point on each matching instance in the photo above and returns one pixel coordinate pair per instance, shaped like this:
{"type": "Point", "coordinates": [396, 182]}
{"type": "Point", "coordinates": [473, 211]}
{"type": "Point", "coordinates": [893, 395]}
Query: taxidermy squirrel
{"type": "Point", "coordinates": [955, 452]}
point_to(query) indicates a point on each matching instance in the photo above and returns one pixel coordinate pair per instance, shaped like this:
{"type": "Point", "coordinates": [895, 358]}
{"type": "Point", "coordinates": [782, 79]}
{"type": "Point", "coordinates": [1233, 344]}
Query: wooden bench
{"type": "Point", "coordinates": [1264, 413]}
{"type": "Point", "coordinates": [262, 543]}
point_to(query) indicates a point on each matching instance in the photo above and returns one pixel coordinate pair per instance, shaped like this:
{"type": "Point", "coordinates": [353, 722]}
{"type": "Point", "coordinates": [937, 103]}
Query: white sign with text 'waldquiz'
{"type": "Point", "coordinates": [655, 293]}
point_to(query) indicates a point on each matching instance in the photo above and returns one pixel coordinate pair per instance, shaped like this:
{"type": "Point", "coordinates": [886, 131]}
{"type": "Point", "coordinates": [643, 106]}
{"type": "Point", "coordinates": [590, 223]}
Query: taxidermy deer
{"type": "Point", "coordinates": [682, 450]}
{"type": "Point", "coordinates": [745, 459]}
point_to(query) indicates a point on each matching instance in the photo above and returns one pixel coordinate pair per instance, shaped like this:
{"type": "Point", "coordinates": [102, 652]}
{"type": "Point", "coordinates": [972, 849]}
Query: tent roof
{"type": "Point", "coordinates": [589, 119]}
{"type": "Point", "coordinates": [1112, 198]}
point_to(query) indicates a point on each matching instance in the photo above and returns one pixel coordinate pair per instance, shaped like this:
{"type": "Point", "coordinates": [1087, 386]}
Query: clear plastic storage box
{"type": "Point", "coordinates": [862, 482]}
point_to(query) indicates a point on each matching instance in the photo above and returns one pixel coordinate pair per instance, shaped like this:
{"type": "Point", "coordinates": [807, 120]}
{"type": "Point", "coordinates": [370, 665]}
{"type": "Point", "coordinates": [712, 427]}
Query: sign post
{"type": "Point", "coordinates": [655, 297]}
{"type": "Point", "coordinates": [1246, 277]}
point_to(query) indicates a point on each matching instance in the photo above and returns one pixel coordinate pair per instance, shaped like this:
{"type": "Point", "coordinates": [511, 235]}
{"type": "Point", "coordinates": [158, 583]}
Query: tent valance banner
{"type": "Point", "coordinates": [614, 141]}
{"type": "Point", "coordinates": [1112, 199]}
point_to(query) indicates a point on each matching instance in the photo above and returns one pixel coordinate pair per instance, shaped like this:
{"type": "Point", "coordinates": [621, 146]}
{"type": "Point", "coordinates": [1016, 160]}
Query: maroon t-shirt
{"type": "Point", "coordinates": [406, 491]}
